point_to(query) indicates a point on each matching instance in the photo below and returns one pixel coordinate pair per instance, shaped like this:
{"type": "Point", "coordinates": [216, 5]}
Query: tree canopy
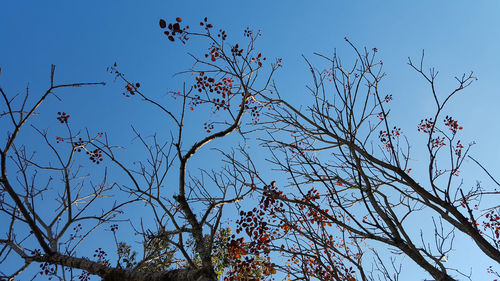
{"type": "Point", "coordinates": [323, 188]}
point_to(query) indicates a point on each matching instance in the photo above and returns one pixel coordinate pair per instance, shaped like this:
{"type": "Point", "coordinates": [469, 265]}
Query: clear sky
{"type": "Point", "coordinates": [82, 38]}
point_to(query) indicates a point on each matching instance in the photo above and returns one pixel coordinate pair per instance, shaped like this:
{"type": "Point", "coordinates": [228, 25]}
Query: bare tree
{"type": "Point", "coordinates": [350, 183]}
{"type": "Point", "coordinates": [350, 186]}
{"type": "Point", "coordinates": [187, 222]}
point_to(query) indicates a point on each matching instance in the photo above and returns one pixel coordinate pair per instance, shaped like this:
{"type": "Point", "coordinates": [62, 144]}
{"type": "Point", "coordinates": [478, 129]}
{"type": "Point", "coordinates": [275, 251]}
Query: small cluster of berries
{"type": "Point", "coordinates": [63, 117]}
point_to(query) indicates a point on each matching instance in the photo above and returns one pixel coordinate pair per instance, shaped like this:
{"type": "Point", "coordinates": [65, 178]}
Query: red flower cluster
{"type": "Point", "coordinates": [209, 85]}
{"type": "Point", "coordinates": [458, 149]}
{"type": "Point", "coordinates": [437, 142]}
{"type": "Point", "coordinates": [213, 53]}
{"type": "Point", "coordinates": [452, 124]}
{"type": "Point", "coordinates": [385, 137]}
{"type": "Point", "coordinates": [426, 126]}
{"type": "Point", "coordinates": [95, 155]}
{"type": "Point", "coordinates": [388, 98]}
{"type": "Point", "coordinates": [100, 254]}
{"type": "Point", "coordinates": [493, 223]}
{"type": "Point", "coordinates": [131, 89]}
{"type": "Point", "coordinates": [208, 126]}
{"type": "Point", "coordinates": [258, 59]}
{"type": "Point", "coordinates": [206, 24]}
{"type": "Point", "coordinates": [63, 117]}
{"type": "Point", "coordinates": [236, 51]}
{"type": "Point", "coordinates": [47, 269]}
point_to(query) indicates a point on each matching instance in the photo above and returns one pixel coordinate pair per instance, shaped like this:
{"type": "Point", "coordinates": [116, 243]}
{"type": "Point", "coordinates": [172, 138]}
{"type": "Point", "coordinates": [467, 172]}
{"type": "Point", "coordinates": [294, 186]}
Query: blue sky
{"type": "Point", "coordinates": [83, 38]}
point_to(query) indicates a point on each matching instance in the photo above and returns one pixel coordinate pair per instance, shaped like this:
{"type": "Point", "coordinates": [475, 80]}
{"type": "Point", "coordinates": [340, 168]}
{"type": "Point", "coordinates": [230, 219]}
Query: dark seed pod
{"type": "Point", "coordinates": [163, 24]}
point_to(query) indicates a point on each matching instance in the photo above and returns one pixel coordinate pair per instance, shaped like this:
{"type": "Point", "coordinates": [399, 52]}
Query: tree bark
{"type": "Point", "coordinates": [108, 273]}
